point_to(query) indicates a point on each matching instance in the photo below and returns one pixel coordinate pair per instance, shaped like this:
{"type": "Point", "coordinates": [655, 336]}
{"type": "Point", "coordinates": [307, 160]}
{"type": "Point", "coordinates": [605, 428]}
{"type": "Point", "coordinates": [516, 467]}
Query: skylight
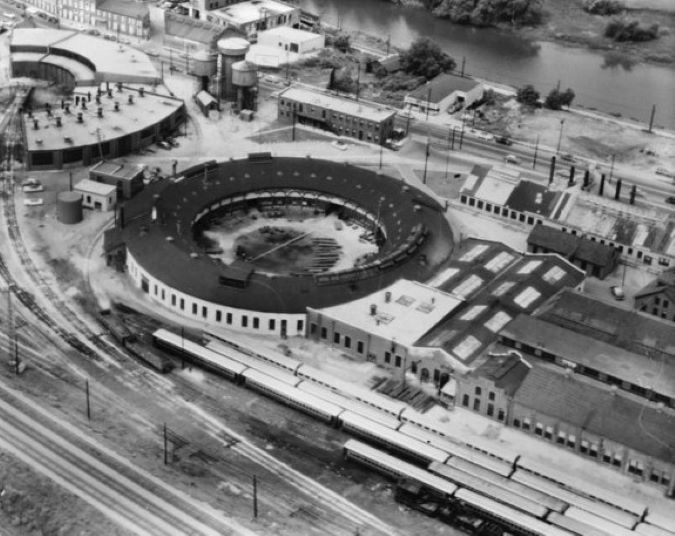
{"type": "Point", "coordinates": [527, 297]}
{"type": "Point", "coordinates": [498, 262]}
{"type": "Point", "coordinates": [468, 286]}
{"type": "Point", "coordinates": [553, 275]}
{"type": "Point", "coordinates": [473, 253]}
{"type": "Point", "coordinates": [528, 267]}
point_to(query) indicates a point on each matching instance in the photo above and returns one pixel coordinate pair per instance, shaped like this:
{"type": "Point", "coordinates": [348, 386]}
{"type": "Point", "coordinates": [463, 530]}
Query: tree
{"type": "Point", "coordinates": [556, 99]}
{"type": "Point", "coordinates": [528, 95]}
{"type": "Point", "coordinates": [425, 58]}
{"type": "Point", "coordinates": [341, 42]}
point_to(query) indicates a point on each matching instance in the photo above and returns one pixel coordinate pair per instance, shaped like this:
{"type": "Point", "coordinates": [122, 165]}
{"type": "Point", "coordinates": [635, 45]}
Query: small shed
{"type": "Point", "coordinates": [127, 178]}
{"type": "Point", "coordinates": [206, 102]}
{"type": "Point", "coordinates": [97, 195]}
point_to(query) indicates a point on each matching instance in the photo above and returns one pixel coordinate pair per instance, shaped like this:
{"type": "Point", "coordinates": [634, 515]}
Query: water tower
{"type": "Point", "coordinates": [245, 82]}
{"type": "Point", "coordinates": [230, 51]}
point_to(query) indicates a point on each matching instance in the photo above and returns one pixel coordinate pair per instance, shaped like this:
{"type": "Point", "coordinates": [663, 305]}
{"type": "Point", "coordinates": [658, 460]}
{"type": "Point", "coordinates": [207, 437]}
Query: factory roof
{"type": "Point", "coordinates": [125, 8]}
{"type": "Point", "coordinates": [599, 410]}
{"type": "Point", "coordinates": [505, 371]}
{"type": "Point", "coordinates": [198, 31]}
{"type": "Point", "coordinates": [82, 73]}
{"type": "Point", "coordinates": [368, 111]}
{"type": "Point", "coordinates": [144, 112]}
{"type": "Point", "coordinates": [411, 310]}
{"type": "Point", "coordinates": [441, 87]}
{"type": "Point", "coordinates": [247, 12]}
{"type": "Point", "coordinates": [532, 197]}
{"type": "Point", "coordinates": [96, 188]}
{"type": "Point", "coordinates": [629, 329]}
{"type": "Point", "coordinates": [593, 354]}
{"type": "Point", "coordinates": [111, 61]}
{"type": "Point", "coordinates": [290, 33]}
{"type": "Point", "coordinates": [120, 171]}
{"type": "Point", "coordinates": [572, 246]}
{"type": "Point", "coordinates": [664, 284]}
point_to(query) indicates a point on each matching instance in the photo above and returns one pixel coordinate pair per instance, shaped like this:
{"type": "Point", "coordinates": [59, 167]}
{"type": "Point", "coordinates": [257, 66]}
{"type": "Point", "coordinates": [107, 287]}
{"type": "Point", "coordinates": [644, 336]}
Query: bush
{"type": "Point", "coordinates": [488, 12]}
{"type": "Point", "coordinates": [425, 58]}
{"type": "Point", "coordinates": [556, 99]}
{"type": "Point", "coordinates": [528, 95]}
{"type": "Point", "coordinates": [603, 7]}
{"type": "Point", "coordinates": [341, 42]}
{"type": "Point", "coordinates": [630, 30]}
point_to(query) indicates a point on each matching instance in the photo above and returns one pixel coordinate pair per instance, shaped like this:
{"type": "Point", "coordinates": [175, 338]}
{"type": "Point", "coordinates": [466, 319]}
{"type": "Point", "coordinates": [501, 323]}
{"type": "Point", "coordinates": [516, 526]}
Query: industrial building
{"type": "Point", "coordinates": [291, 40]}
{"type": "Point", "coordinates": [445, 93]}
{"type": "Point", "coordinates": [127, 178]}
{"type": "Point", "coordinates": [342, 116]}
{"type": "Point", "coordinates": [97, 195]}
{"type": "Point", "coordinates": [658, 297]}
{"type": "Point", "coordinates": [255, 16]}
{"type": "Point", "coordinates": [236, 79]}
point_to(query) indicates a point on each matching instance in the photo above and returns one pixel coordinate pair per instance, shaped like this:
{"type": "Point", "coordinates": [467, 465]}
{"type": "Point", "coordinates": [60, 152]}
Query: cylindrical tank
{"type": "Point", "coordinates": [69, 207]}
{"type": "Point", "coordinates": [244, 74]}
{"type": "Point", "coordinates": [230, 51]}
{"type": "Point", "coordinates": [202, 63]}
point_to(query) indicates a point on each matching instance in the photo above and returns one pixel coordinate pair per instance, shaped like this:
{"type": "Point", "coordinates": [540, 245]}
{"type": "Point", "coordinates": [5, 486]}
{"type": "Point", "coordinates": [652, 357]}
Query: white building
{"type": "Point", "coordinates": [97, 195]}
{"type": "Point", "coordinates": [291, 40]}
{"type": "Point", "coordinates": [446, 92]}
{"type": "Point", "coordinates": [255, 16]}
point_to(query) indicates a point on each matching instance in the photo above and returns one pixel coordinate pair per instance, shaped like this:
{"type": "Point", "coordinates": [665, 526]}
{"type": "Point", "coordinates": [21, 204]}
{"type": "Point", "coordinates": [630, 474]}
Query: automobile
{"type": "Point", "coordinates": [511, 159]}
{"type": "Point", "coordinates": [504, 140]}
{"type": "Point", "coordinates": [339, 144]}
{"type": "Point", "coordinates": [567, 157]}
{"type": "Point", "coordinates": [164, 145]}
{"type": "Point", "coordinates": [670, 200]}
{"type": "Point", "coordinates": [484, 135]}
{"type": "Point", "coordinates": [31, 182]}
{"type": "Point", "coordinates": [617, 292]}
{"type": "Point", "coordinates": [665, 172]}
{"type": "Point", "coordinates": [172, 142]}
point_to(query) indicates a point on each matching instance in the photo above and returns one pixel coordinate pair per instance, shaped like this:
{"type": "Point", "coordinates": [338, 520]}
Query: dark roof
{"type": "Point", "coordinates": [664, 284]}
{"type": "Point", "coordinates": [656, 374]}
{"type": "Point", "coordinates": [506, 371]}
{"type": "Point", "coordinates": [442, 86]}
{"type": "Point", "coordinates": [528, 196]}
{"type": "Point", "coordinates": [194, 30]}
{"type": "Point", "coordinates": [638, 332]}
{"type": "Point", "coordinates": [572, 246]}
{"type": "Point", "coordinates": [123, 7]}
{"type": "Point", "coordinates": [404, 211]}
{"type": "Point", "coordinates": [600, 410]}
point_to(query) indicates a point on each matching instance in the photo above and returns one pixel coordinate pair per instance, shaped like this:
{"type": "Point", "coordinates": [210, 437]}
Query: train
{"type": "Point", "coordinates": [123, 335]}
{"type": "Point", "coordinates": [523, 489]}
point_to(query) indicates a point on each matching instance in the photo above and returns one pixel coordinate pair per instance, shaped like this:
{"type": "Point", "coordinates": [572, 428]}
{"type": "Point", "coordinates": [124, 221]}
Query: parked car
{"type": "Point", "coordinates": [617, 292]}
{"type": "Point", "coordinates": [671, 200]}
{"type": "Point", "coordinates": [339, 144]}
{"type": "Point", "coordinates": [172, 142]}
{"type": "Point", "coordinates": [31, 182]}
{"type": "Point", "coordinates": [665, 172]}
{"type": "Point", "coordinates": [567, 157]}
{"type": "Point", "coordinates": [164, 145]}
{"type": "Point", "coordinates": [511, 159]}
{"type": "Point", "coordinates": [504, 140]}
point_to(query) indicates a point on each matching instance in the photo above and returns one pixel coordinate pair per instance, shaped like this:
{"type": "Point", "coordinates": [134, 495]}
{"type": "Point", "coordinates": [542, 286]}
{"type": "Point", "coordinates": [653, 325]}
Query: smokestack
{"type": "Point", "coordinates": [99, 112]}
{"type": "Point", "coordinates": [572, 172]}
{"type": "Point", "coordinates": [602, 185]}
{"type": "Point", "coordinates": [633, 191]}
{"type": "Point", "coordinates": [552, 170]}
{"type": "Point", "coordinates": [617, 192]}
{"type": "Point", "coordinates": [587, 178]}
{"type": "Point", "coordinates": [79, 117]}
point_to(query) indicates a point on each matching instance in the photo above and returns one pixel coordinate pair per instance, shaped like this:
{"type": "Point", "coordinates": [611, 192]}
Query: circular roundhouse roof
{"type": "Point", "coordinates": [418, 237]}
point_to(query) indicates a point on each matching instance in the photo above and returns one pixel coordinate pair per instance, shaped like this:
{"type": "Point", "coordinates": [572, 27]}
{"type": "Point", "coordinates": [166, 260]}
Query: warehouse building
{"type": "Point", "coordinates": [339, 115]}
{"type": "Point", "coordinates": [445, 93]}
{"type": "Point", "coordinates": [658, 297]}
{"type": "Point", "coordinates": [127, 179]}
{"type": "Point", "coordinates": [97, 195]}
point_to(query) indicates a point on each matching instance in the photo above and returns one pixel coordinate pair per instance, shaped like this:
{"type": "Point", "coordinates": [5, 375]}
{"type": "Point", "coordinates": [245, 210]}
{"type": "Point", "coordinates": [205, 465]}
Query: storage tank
{"type": "Point", "coordinates": [203, 63]}
{"type": "Point", "coordinates": [230, 51]}
{"type": "Point", "coordinates": [69, 207]}
{"type": "Point", "coordinates": [245, 82]}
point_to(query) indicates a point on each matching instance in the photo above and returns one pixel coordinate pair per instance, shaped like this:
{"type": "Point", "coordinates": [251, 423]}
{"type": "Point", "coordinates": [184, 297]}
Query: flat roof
{"type": "Point", "coordinates": [145, 111]}
{"type": "Point", "coordinates": [290, 33]}
{"type": "Point", "coordinates": [118, 170]}
{"type": "Point", "coordinates": [593, 353]}
{"type": "Point", "coordinates": [370, 112]}
{"type": "Point", "coordinates": [532, 197]}
{"type": "Point", "coordinates": [412, 310]}
{"type": "Point", "coordinates": [112, 61]}
{"type": "Point", "coordinates": [93, 187]}
{"type": "Point", "coordinates": [247, 12]}
{"type": "Point", "coordinates": [124, 7]}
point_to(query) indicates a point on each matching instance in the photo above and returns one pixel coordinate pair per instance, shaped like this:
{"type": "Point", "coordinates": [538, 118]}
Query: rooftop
{"type": "Point", "coordinates": [442, 86]}
{"type": "Point", "coordinates": [122, 171]}
{"type": "Point", "coordinates": [195, 30]}
{"type": "Point", "coordinates": [144, 112]}
{"type": "Point", "coordinates": [412, 309]}
{"type": "Point", "coordinates": [652, 374]}
{"type": "Point", "coordinates": [370, 112]}
{"type": "Point", "coordinates": [111, 61]}
{"type": "Point", "coordinates": [532, 197]}
{"type": "Point", "coordinates": [96, 188]}
{"type": "Point", "coordinates": [506, 371]}
{"type": "Point", "coordinates": [663, 284]}
{"type": "Point", "coordinates": [570, 245]}
{"type": "Point", "coordinates": [247, 12]}
{"type": "Point", "coordinates": [290, 33]}
{"type": "Point", "coordinates": [125, 8]}
{"type": "Point", "coordinates": [637, 332]}
{"type": "Point", "coordinates": [600, 410]}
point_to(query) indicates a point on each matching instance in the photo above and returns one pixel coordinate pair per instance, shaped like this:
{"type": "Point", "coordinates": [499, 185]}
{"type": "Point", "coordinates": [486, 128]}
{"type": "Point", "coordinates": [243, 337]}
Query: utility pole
{"type": "Point", "coordinates": [651, 118]}
{"type": "Point", "coordinates": [461, 135]}
{"type": "Point", "coordinates": [463, 65]}
{"type": "Point", "coordinates": [452, 143]}
{"type": "Point", "coordinates": [358, 79]}
{"type": "Point", "coordinates": [293, 131]}
{"type": "Point", "coordinates": [86, 389]}
{"type": "Point", "coordinates": [562, 122]}
{"type": "Point", "coordinates": [536, 149]}
{"type": "Point", "coordinates": [447, 163]}
{"type": "Point", "coordinates": [166, 460]}
{"type": "Point", "coordinates": [611, 168]}
{"type": "Point", "coordinates": [426, 161]}
{"type": "Point", "coordinates": [255, 497]}
{"type": "Point", "coordinates": [381, 155]}
{"type": "Point", "coordinates": [428, 102]}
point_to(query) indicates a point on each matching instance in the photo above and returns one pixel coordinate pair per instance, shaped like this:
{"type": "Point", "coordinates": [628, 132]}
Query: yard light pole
{"type": "Point", "coordinates": [611, 168]}
{"type": "Point", "coordinates": [447, 159]}
{"type": "Point", "coordinates": [428, 102]}
{"type": "Point", "coordinates": [381, 148]}
{"type": "Point", "coordinates": [562, 122]}
{"type": "Point", "coordinates": [426, 161]}
{"type": "Point", "coordinates": [536, 149]}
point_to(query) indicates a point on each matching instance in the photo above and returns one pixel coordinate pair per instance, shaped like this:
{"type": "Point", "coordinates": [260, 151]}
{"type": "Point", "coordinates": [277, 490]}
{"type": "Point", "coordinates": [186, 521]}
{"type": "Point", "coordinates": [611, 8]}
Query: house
{"type": "Point", "coordinates": [127, 179]}
{"type": "Point", "coordinates": [446, 92]}
{"type": "Point", "coordinates": [206, 102]}
{"type": "Point", "coordinates": [596, 259]}
{"type": "Point", "coordinates": [658, 297]}
{"type": "Point", "coordinates": [97, 195]}
{"type": "Point", "coordinates": [340, 115]}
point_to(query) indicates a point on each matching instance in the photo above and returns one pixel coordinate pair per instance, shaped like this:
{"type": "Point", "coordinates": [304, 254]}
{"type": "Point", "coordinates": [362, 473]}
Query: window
{"type": "Point", "coordinates": [539, 429]}
{"type": "Point", "coordinates": [607, 457]}
{"type": "Point", "coordinates": [526, 424]}
{"type": "Point", "coordinates": [204, 312]}
{"type": "Point", "coordinates": [561, 438]}
{"type": "Point", "coordinates": [548, 432]}
{"type": "Point", "coordinates": [219, 316]}
{"type": "Point", "coordinates": [173, 300]}
{"type": "Point", "coordinates": [490, 410]}
{"type": "Point", "coordinates": [465, 401]}
{"type": "Point", "coordinates": [491, 395]}
{"type": "Point", "coordinates": [194, 308]}
{"type": "Point", "coordinates": [324, 333]}
{"type": "Point", "coordinates": [154, 290]}
{"type": "Point", "coordinates": [228, 318]}
{"type": "Point", "coordinates": [244, 321]}
{"type": "Point", "coordinates": [299, 325]}
{"type": "Point", "coordinates": [256, 322]}
{"type": "Point", "coordinates": [387, 357]}
{"type": "Point", "coordinates": [272, 325]}
{"type": "Point", "coordinates": [584, 447]}
{"type": "Point", "coordinates": [182, 304]}
{"type": "Point", "coordinates": [478, 391]}
{"type": "Point", "coordinates": [359, 347]}
{"type": "Point", "coordinates": [655, 476]}
{"type": "Point", "coordinates": [336, 338]}
{"type": "Point", "coordinates": [476, 405]}
{"type": "Point", "coordinates": [398, 361]}
{"type": "Point", "coordinates": [571, 441]}
{"type": "Point", "coordinates": [516, 423]}
{"type": "Point", "coordinates": [348, 342]}
{"type": "Point", "coordinates": [500, 415]}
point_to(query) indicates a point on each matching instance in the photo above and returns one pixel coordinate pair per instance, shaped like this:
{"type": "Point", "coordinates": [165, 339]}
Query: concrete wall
{"type": "Point", "coordinates": [316, 42]}
{"type": "Point", "coordinates": [97, 201]}
{"type": "Point", "coordinates": [212, 314]}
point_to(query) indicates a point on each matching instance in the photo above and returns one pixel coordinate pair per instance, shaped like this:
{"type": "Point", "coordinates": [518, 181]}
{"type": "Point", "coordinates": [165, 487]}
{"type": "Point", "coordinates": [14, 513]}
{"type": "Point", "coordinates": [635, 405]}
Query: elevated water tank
{"type": "Point", "coordinates": [69, 207]}
{"type": "Point", "coordinates": [203, 63]}
{"type": "Point", "coordinates": [230, 50]}
{"type": "Point", "coordinates": [244, 74]}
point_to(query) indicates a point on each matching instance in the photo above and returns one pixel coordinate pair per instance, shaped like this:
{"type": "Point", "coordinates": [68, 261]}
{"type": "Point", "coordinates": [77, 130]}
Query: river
{"type": "Point", "coordinates": [501, 56]}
